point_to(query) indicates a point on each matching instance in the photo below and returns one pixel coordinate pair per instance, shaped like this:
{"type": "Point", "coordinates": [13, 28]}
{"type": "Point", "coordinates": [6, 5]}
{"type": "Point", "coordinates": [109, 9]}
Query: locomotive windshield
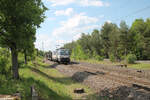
{"type": "Point", "coordinates": [64, 52]}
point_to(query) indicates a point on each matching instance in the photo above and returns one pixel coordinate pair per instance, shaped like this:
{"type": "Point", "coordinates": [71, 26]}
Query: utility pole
{"type": "Point", "coordinates": [43, 48]}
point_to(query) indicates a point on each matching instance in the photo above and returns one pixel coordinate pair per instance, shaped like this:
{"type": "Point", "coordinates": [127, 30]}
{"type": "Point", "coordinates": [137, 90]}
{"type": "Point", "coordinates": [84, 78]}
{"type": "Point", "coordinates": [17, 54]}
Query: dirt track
{"type": "Point", "coordinates": [115, 82]}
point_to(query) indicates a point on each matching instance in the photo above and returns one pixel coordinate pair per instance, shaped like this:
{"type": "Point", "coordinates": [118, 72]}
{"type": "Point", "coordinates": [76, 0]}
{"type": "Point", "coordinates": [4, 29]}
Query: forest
{"type": "Point", "coordinates": [114, 42]}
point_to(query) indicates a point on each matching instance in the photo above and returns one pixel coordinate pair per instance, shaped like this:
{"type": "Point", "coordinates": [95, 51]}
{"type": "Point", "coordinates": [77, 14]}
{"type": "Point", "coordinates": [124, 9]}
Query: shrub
{"type": "Point", "coordinates": [131, 58]}
{"type": "Point", "coordinates": [112, 58]}
{"type": "Point", "coordinates": [4, 62]}
{"type": "Point", "coordinates": [99, 58]}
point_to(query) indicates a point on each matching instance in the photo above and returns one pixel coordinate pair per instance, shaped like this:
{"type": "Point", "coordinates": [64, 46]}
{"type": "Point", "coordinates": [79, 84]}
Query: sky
{"type": "Point", "coordinates": [67, 19]}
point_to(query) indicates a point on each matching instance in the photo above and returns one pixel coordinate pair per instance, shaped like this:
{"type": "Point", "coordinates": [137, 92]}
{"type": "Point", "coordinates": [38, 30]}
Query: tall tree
{"type": "Point", "coordinates": [105, 31]}
{"type": "Point", "coordinates": [114, 38]}
{"type": "Point", "coordinates": [84, 42]}
{"type": "Point", "coordinates": [28, 46]}
{"type": "Point", "coordinates": [124, 38]}
{"type": "Point", "coordinates": [96, 43]}
{"type": "Point", "coordinates": [146, 46]}
{"type": "Point", "coordinates": [20, 15]}
{"type": "Point", "coordinates": [137, 31]}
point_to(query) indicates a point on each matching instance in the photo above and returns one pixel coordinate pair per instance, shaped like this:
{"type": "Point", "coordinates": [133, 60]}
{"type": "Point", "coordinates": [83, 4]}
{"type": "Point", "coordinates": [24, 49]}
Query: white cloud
{"type": "Point", "coordinates": [109, 21]}
{"type": "Point", "coordinates": [107, 4]}
{"type": "Point", "coordinates": [61, 2]}
{"type": "Point", "coordinates": [66, 12]}
{"type": "Point", "coordinates": [51, 18]}
{"type": "Point", "coordinates": [78, 23]}
{"type": "Point", "coordinates": [98, 3]}
{"type": "Point", "coordinates": [69, 30]}
{"type": "Point", "coordinates": [43, 41]}
{"type": "Point", "coordinates": [46, 42]}
{"type": "Point", "coordinates": [91, 3]}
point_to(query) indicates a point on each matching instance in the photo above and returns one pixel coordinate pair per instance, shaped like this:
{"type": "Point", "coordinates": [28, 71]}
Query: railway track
{"type": "Point", "coordinates": [109, 83]}
{"type": "Point", "coordinates": [116, 77]}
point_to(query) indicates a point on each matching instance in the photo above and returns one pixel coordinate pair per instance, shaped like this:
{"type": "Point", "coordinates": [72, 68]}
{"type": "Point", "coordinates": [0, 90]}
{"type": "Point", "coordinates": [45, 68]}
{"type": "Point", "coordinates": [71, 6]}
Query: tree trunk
{"type": "Point", "coordinates": [14, 55]}
{"type": "Point", "coordinates": [25, 57]}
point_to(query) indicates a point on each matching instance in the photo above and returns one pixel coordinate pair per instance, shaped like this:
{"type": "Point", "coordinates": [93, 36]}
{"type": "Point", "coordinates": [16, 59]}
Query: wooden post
{"type": "Point", "coordinates": [34, 93]}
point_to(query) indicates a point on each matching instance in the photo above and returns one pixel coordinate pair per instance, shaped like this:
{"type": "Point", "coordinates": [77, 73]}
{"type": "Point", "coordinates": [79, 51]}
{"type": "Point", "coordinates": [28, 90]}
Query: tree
{"type": "Point", "coordinates": [28, 46]}
{"type": "Point", "coordinates": [85, 43]}
{"type": "Point", "coordinates": [114, 38]}
{"type": "Point", "coordinates": [137, 31]}
{"type": "Point", "coordinates": [96, 44]}
{"type": "Point", "coordinates": [114, 42]}
{"type": "Point", "coordinates": [70, 46]}
{"type": "Point", "coordinates": [20, 16]}
{"type": "Point", "coordinates": [78, 53]}
{"type": "Point", "coordinates": [105, 31]}
{"type": "Point", "coordinates": [146, 46]}
{"type": "Point", "coordinates": [124, 38]}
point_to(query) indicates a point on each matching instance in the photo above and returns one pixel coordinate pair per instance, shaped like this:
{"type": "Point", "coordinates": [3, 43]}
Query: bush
{"type": "Point", "coordinates": [112, 58]}
{"type": "Point", "coordinates": [131, 58]}
{"type": "Point", "coordinates": [99, 58]}
{"type": "Point", "coordinates": [4, 62]}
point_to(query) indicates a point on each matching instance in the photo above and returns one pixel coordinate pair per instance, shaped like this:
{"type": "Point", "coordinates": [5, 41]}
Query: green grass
{"type": "Point", "coordinates": [93, 61]}
{"type": "Point", "coordinates": [139, 66]}
{"type": "Point", "coordinates": [50, 84]}
{"type": "Point", "coordinates": [134, 66]}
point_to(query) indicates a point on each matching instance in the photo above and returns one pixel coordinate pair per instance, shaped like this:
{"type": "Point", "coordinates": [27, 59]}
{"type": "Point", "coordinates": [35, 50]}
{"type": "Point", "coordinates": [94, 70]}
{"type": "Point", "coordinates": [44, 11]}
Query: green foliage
{"type": "Point", "coordinates": [112, 58]}
{"type": "Point", "coordinates": [4, 62]}
{"type": "Point", "coordinates": [131, 58]}
{"type": "Point", "coordinates": [78, 53]}
{"type": "Point", "coordinates": [40, 53]}
{"type": "Point", "coordinates": [18, 29]}
{"type": "Point", "coordinates": [96, 56]}
{"type": "Point", "coordinates": [116, 42]}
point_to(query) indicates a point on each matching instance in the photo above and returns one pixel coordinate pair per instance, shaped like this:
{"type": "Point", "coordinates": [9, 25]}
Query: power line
{"type": "Point", "coordinates": [135, 12]}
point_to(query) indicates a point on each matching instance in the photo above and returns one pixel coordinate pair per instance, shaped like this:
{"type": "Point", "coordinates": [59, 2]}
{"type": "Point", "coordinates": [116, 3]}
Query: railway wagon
{"type": "Point", "coordinates": [54, 56]}
{"type": "Point", "coordinates": [49, 55]}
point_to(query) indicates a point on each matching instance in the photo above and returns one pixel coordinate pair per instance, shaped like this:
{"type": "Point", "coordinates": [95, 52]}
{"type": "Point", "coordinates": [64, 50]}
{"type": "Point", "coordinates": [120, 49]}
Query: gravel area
{"type": "Point", "coordinates": [114, 82]}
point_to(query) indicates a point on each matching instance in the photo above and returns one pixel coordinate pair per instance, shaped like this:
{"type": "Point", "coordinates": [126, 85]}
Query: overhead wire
{"type": "Point", "coordinates": [135, 12]}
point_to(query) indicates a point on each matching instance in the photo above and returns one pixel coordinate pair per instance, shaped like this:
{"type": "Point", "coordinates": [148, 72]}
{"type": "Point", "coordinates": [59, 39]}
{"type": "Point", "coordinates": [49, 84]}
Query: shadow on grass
{"type": "Point", "coordinates": [65, 80]}
{"type": "Point", "coordinates": [55, 64]}
{"type": "Point", "coordinates": [51, 66]}
{"type": "Point", "coordinates": [23, 86]}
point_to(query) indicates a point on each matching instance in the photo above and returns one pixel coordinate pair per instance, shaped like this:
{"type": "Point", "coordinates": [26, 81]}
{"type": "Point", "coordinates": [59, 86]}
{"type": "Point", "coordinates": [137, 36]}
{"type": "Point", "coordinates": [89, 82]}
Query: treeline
{"type": "Point", "coordinates": [19, 20]}
{"type": "Point", "coordinates": [114, 42]}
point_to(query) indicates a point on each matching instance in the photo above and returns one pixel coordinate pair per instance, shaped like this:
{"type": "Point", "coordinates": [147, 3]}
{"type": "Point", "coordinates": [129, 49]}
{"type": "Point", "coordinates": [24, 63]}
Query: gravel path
{"type": "Point", "coordinates": [114, 82]}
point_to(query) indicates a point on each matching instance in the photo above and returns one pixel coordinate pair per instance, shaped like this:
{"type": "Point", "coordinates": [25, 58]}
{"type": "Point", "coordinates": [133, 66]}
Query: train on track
{"type": "Point", "coordinates": [59, 55]}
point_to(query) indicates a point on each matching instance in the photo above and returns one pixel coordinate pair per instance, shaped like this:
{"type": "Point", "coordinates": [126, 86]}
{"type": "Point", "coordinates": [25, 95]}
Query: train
{"type": "Point", "coordinates": [59, 55]}
{"type": "Point", "coordinates": [48, 55]}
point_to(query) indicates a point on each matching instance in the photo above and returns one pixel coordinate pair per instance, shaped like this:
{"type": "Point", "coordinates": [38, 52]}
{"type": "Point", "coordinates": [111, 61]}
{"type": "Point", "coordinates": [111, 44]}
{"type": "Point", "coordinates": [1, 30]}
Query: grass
{"type": "Point", "coordinates": [93, 61]}
{"type": "Point", "coordinates": [106, 62]}
{"type": "Point", "coordinates": [139, 66]}
{"type": "Point", "coordinates": [50, 84]}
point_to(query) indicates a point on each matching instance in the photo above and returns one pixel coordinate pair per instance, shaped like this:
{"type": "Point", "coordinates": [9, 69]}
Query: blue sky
{"type": "Point", "coordinates": [67, 19]}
